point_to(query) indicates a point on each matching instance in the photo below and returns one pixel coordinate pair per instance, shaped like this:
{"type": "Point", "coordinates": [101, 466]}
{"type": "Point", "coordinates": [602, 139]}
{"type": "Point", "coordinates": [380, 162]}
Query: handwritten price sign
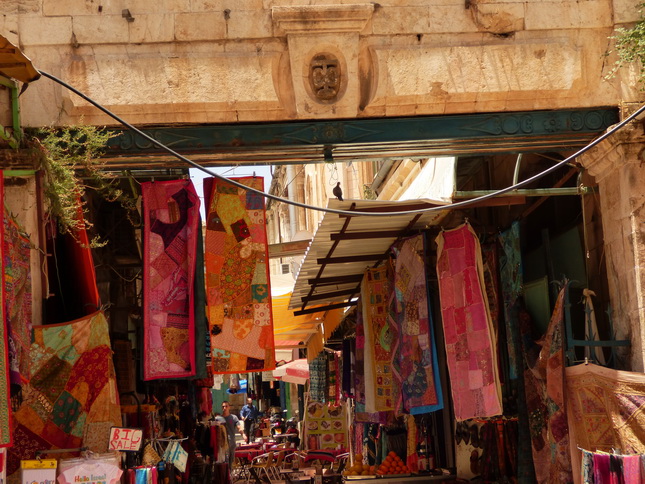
{"type": "Point", "coordinates": [128, 440]}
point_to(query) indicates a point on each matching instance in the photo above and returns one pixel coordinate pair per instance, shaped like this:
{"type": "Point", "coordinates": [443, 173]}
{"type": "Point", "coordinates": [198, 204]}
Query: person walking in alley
{"type": "Point", "coordinates": [248, 414]}
{"type": "Point", "coordinates": [232, 424]}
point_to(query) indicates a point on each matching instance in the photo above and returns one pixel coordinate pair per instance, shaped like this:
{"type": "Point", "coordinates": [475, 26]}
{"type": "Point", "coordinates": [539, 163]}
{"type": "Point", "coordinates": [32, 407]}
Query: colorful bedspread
{"type": "Point", "coordinates": [171, 215]}
{"type": "Point", "coordinates": [72, 392]}
{"type": "Point", "coordinates": [469, 337]}
{"type": "Point", "coordinates": [418, 354]}
{"type": "Point", "coordinates": [237, 278]}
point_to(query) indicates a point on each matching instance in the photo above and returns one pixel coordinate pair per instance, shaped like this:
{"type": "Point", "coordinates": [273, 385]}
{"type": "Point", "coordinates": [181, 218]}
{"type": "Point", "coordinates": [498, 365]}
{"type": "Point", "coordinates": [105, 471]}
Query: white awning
{"type": "Point", "coordinates": [344, 246]}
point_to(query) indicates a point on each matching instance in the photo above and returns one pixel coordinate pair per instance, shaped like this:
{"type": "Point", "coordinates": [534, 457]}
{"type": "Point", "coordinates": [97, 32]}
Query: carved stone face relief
{"type": "Point", "coordinates": [324, 77]}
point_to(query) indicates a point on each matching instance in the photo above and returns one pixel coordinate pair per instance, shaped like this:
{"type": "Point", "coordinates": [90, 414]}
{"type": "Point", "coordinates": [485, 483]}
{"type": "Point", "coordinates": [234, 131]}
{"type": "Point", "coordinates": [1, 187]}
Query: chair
{"type": "Point", "coordinates": [264, 463]}
{"type": "Point", "coordinates": [278, 463]}
{"type": "Point", "coordinates": [296, 456]}
{"type": "Point", "coordinates": [342, 462]}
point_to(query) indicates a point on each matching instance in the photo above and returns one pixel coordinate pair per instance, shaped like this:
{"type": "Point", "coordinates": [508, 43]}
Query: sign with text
{"type": "Point", "coordinates": [128, 440]}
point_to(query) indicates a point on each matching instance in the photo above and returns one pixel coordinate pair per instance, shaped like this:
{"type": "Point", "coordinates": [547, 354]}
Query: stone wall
{"type": "Point", "coordinates": [222, 61]}
{"type": "Point", "coordinates": [617, 165]}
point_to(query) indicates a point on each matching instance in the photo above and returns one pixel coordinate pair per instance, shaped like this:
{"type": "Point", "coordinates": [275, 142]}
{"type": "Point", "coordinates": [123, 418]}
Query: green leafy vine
{"type": "Point", "coordinates": [629, 45]}
{"type": "Point", "coordinates": [71, 163]}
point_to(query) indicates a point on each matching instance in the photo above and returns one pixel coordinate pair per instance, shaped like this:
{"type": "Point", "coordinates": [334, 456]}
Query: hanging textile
{"type": "Point", "coordinates": [552, 365]}
{"type": "Point", "coordinates": [510, 269]}
{"type": "Point", "coordinates": [545, 397]}
{"type": "Point", "coordinates": [606, 410]}
{"type": "Point", "coordinates": [17, 281]}
{"type": "Point", "coordinates": [171, 214]}
{"type": "Point", "coordinates": [360, 414]}
{"type": "Point", "coordinates": [382, 383]}
{"type": "Point", "coordinates": [332, 371]}
{"type": "Point", "coordinates": [72, 391]}
{"type": "Point", "coordinates": [5, 404]}
{"type": "Point", "coordinates": [591, 329]}
{"type": "Point", "coordinates": [535, 401]}
{"type": "Point", "coordinates": [237, 282]}
{"type": "Point", "coordinates": [469, 337]}
{"type": "Point", "coordinates": [511, 277]}
{"type": "Point", "coordinates": [412, 456]}
{"type": "Point", "coordinates": [418, 354]}
{"type": "Point", "coordinates": [318, 378]}
{"type": "Point", "coordinates": [202, 338]}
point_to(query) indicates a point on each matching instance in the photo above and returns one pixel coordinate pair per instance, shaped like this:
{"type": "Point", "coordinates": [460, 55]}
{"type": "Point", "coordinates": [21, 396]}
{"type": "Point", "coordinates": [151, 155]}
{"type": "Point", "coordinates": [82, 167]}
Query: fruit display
{"type": "Point", "coordinates": [358, 469]}
{"type": "Point", "coordinates": [392, 465]}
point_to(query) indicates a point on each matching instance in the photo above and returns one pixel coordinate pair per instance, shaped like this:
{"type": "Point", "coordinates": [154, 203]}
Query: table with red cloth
{"type": "Point", "coordinates": [247, 454]}
{"type": "Point", "coordinates": [248, 446]}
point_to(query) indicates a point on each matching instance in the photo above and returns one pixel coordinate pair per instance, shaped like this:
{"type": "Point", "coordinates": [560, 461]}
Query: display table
{"type": "Point", "coordinates": [414, 479]}
{"type": "Point", "coordinates": [248, 446]}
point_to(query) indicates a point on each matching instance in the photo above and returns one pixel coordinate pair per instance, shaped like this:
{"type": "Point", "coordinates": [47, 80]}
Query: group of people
{"type": "Point", "coordinates": [245, 425]}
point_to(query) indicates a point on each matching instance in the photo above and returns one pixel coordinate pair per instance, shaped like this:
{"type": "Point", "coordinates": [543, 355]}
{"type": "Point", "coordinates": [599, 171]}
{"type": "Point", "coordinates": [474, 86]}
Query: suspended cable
{"type": "Point", "coordinates": [452, 206]}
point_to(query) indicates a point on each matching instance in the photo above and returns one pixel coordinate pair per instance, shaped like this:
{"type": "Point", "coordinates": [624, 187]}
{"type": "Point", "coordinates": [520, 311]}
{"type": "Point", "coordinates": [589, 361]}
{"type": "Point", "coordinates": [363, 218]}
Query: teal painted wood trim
{"type": "Point", "coordinates": [534, 130]}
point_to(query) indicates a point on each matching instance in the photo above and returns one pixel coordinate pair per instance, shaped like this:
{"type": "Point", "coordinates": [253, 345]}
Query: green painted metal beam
{"type": "Point", "coordinates": [368, 139]}
{"type": "Point", "coordinates": [12, 138]}
{"type": "Point", "coordinates": [8, 173]}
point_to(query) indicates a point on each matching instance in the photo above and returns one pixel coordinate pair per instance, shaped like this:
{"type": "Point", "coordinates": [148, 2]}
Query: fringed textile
{"type": "Point", "coordinates": [237, 280]}
{"type": "Point", "coordinates": [171, 215]}
{"type": "Point", "coordinates": [469, 337]}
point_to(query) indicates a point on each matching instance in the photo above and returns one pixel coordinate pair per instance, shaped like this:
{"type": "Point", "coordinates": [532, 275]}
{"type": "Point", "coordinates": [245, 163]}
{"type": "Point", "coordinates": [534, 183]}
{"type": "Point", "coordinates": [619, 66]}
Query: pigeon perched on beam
{"type": "Point", "coordinates": [338, 192]}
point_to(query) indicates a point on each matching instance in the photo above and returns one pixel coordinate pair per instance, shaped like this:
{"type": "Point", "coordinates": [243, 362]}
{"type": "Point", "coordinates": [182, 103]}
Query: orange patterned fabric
{"type": "Point", "coordinates": [237, 278]}
{"type": "Point", "coordinates": [382, 380]}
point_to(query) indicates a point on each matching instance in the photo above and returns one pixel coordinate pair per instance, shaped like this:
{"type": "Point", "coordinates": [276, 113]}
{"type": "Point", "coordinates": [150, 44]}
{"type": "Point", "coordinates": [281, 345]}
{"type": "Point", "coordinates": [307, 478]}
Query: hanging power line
{"type": "Point", "coordinates": [462, 204]}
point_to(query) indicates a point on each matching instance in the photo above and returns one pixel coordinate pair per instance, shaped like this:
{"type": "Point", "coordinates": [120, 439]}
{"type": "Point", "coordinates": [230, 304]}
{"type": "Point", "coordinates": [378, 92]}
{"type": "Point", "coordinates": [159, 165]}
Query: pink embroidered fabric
{"type": "Point", "coordinates": [469, 337]}
{"type": "Point", "coordinates": [171, 215]}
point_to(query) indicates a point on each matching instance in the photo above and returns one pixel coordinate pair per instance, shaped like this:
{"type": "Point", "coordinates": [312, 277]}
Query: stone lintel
{"type": "Point", "coordinates": [309, 19]}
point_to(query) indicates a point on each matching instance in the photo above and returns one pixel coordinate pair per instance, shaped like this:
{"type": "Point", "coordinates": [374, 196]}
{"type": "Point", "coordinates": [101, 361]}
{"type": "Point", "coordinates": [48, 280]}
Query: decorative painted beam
{"type": "Point", "coordinates": [364, 139]}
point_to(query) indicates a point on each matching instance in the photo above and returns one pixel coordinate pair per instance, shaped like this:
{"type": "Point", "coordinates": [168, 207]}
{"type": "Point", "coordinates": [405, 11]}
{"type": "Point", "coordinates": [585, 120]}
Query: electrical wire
{"type": "Point", "coordinates": [452, 206]}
